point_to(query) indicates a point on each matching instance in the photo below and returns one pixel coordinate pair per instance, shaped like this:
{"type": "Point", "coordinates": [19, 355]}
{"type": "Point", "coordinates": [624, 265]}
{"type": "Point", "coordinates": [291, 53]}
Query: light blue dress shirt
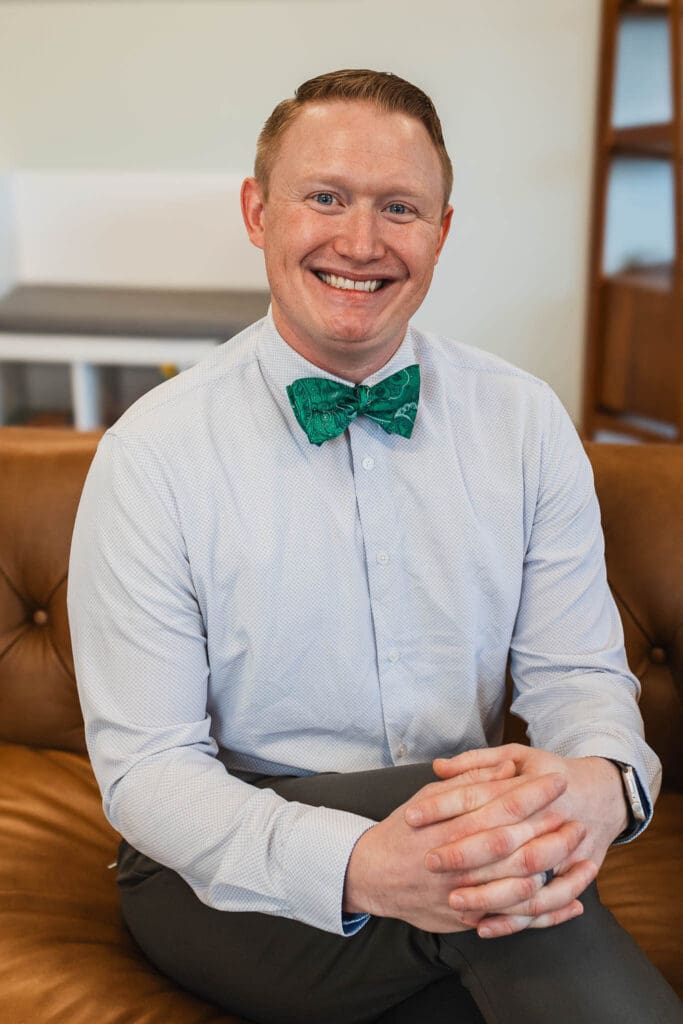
{"type": "Point", "coordinates": [302, 609]}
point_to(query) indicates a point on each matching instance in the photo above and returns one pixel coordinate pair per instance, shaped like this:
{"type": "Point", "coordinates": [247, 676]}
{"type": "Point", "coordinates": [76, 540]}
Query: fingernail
{"type": "Point", "coordinates": [485, 933]}
{"type": "Point", "coordinates": [413, 815]}
{"type": "Point", "coordinates": [457, 902]}
{"type": "Point", "coordinates": [433, 861]}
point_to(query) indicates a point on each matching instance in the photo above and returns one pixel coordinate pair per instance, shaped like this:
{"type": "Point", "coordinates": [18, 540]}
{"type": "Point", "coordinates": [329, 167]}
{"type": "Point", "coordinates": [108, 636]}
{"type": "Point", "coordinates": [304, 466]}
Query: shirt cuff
{"type": "Point", "coordinates": [315, 856]}
{"type": "Point", "coordinates": [628, 750]}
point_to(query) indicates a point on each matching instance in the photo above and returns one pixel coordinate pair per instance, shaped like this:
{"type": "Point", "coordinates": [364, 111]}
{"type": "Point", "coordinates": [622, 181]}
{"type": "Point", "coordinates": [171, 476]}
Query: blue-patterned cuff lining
{"type": "Point", "coordinates": [352, 923]}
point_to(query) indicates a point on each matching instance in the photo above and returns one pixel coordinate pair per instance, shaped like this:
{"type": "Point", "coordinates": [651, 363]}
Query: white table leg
{"type": "Point", "coordinates": [85, 394]}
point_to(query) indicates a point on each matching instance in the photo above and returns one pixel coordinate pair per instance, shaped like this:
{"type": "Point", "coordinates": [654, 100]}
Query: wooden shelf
{"type": "Point", "coordinates": [656, 277]}
{"type": "Point", "coordinates": [645, 9]}
{"type": "Point", "coordinates": [633, 426]}
{"type": "Point", "coordinates": [650, 140]}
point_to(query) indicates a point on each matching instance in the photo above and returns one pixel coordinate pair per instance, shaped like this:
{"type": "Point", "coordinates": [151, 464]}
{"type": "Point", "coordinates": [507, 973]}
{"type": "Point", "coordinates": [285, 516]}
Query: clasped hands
{"type": "Point", "coordinates": [471, 850]}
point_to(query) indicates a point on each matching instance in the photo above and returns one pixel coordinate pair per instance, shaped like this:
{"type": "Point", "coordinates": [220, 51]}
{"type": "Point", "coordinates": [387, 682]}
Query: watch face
{"type": "Point", "coordinates": [632, 794]}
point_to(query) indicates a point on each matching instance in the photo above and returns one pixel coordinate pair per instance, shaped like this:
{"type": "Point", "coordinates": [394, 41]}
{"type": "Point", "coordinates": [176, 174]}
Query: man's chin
{"type": "Point", "coordinates": [355, 330]}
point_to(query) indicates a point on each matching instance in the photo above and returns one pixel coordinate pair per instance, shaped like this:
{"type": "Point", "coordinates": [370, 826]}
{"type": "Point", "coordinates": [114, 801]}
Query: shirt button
{"type": "Point", "coordinates": [382, 557]}
{"type": "Point", "coordinates": [401, 750]}
{"type": "Point", "coordinates": [368, 463]}
{"type": "Point", "coordinates": [393, 655]}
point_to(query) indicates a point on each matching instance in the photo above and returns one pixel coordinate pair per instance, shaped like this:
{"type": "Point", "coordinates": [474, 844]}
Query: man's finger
{"type": "Point", "coordinates": [495, 896]}
{"type": "Point", "coordinates": [520, 923]}
{"type": "Point", "coordinates": [573, 909]}
{"type": "Point", "coordinates": [504, 770]}
{"type": "Point", "coordinates": [493, 845]}
{"type": "Point", "coordinates": [442, 801]}
{"type": "Point", "coordinates": [544, 906]}
{"type": "Point", "coordinates": [514, 806]}
{"type": "Point", "coordinates": [539, 855]}
{"type": "Point", "coordinates": [484, 757]}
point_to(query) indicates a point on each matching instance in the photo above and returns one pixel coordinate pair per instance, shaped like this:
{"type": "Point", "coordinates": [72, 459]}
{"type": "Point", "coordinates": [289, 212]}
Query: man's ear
{"type": "Point", "coordinates": [253, 210]}
{"type": "Point", "coordinates": [445, 228]}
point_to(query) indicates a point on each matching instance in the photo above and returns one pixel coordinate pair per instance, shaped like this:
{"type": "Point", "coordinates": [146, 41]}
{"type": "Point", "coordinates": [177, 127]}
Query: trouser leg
{"type": "Point", "coordinates": [274, 970]}
{"type": "Point", "coordinates": [588, 970]}
{"type": "Point", "coordinates": [600, 971]}
{"type": "Point", "coordinates": [271, 970]}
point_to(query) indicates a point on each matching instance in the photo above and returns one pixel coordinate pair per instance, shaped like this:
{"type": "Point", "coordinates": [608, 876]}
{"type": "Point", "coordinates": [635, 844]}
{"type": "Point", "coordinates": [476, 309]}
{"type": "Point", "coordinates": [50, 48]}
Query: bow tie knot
{"type": "Point", "coordinates": [363, 396]}
{"type": "Point", "coordinates": [324, 408]}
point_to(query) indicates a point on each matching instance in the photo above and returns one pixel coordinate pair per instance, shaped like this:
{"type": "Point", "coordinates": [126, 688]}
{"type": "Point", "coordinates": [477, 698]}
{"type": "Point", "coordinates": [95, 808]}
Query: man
{"type": "Point", "coordinates": [298, 571]}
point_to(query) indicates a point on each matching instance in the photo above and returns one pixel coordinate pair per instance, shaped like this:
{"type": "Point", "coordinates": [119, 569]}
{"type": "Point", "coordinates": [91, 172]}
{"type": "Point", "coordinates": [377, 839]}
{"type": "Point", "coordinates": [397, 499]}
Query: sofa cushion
{"type": "Point", "coordinates": [642, 884]}
{"type": "Point", "coordinates": [65, 955]}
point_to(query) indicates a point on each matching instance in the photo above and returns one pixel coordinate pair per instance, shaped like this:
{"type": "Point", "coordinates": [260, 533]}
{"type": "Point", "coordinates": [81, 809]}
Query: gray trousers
{"type": "Point", "coordinates": [275, 971]}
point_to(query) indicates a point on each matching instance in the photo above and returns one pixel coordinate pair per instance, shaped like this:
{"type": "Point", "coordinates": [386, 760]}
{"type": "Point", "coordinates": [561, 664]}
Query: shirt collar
{"type": "Point", "coordinates": [280, 364]}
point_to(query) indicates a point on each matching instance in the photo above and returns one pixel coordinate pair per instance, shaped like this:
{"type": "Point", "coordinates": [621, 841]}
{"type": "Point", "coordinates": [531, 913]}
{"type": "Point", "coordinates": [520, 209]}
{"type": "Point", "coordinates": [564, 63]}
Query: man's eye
{"type": "Point", "coordinates": [397, 208]}
{"type": "Point", "coordinates": [324, 198]}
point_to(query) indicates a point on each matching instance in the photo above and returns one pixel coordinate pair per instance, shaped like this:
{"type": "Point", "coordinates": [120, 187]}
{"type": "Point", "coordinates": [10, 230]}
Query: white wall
{"type": "Point", "coordinates": [184, 87]}
{"type": "Point", "coordinates": [8, 253]}
{"type": "Point", "coordinates": [142, 229]}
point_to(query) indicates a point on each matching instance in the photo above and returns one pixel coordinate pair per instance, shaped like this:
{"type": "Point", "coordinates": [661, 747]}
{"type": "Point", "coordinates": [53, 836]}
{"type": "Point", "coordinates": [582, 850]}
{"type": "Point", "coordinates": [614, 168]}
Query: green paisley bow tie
{"type": "Point", "coordinates": [324, 408]}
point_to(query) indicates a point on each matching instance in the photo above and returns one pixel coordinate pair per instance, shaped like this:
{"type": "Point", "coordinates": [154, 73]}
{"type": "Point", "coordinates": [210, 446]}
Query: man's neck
{"type": "Point", "coordinates": [351, 365]}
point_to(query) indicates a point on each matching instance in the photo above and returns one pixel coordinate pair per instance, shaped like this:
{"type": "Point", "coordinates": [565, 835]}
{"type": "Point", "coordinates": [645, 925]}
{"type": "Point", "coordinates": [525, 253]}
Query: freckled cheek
{"type": "Point", "coordinates": [304, 235]}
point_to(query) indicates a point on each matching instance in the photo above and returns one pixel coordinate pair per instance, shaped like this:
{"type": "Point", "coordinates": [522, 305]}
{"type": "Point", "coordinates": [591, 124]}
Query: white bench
{"type": "Point", "coordinates": [121, 270]}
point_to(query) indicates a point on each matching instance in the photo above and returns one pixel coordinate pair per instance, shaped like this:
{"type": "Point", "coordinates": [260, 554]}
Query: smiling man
{"type": "Point", "coordinates": [298, 573]}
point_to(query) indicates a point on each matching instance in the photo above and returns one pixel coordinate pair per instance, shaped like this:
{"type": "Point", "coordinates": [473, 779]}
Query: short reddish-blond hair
{"type": "Point", "coordinates": [387, 92]}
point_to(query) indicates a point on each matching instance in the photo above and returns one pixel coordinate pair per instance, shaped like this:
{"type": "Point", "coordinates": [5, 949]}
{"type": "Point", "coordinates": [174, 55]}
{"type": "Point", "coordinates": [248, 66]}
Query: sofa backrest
{"type": "Point", "coordinates": [640, 489]}
{"type": "Point", "coordinates": [41, 475]}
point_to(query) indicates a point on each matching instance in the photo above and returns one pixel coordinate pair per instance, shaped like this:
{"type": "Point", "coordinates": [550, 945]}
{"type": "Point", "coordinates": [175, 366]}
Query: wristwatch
{"type": "Point", "coordinates": [632, 794]}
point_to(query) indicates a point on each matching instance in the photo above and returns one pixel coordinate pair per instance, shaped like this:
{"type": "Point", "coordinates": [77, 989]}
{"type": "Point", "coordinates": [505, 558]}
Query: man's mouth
{"type": "Point", "coordinates": [347, 284]}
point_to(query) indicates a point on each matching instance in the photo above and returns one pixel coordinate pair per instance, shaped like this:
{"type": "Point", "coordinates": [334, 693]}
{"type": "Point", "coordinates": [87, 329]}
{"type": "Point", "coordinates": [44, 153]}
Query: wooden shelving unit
{"type": "Point", "coordinates": [633, 383]}
{"type": "Point", "coordinates": [654, 140]}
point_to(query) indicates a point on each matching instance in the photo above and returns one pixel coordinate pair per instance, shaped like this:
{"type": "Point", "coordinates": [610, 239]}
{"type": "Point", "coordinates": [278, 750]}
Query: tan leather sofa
{"type": "Point", "coordinates": [65, 956]}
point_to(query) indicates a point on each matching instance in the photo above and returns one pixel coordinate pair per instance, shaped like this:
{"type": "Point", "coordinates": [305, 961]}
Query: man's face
{"type": "Point", "coordinates": [351, 230]}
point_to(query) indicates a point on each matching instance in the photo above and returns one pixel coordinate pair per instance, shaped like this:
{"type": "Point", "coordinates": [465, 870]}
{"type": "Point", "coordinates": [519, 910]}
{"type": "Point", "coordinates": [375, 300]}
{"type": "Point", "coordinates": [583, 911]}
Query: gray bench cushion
{"type": "Point", "coordinates": [117, 312]}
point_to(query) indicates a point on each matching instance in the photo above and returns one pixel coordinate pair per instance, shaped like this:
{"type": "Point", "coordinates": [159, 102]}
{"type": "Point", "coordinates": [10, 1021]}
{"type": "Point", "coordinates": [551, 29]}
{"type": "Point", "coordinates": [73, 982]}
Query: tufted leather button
{"type": "Point", "coordinates": [658, 655]}
{"type": "Point", "coordinates": [40, 617]}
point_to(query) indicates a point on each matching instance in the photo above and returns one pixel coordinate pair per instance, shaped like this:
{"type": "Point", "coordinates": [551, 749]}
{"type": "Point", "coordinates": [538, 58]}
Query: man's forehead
{"type": "Point", "coordinates": [334, 110]}
{"type": "Point", "coordinates": [321, 137]}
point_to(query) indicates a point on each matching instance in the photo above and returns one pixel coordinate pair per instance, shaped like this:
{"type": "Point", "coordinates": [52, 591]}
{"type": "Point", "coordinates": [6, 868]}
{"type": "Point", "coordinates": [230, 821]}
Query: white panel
{"type": "Point", "coordinates": [639, 214]}
{"type": "Point", "coordinates": [145, 230]}
{"type": "Point", "coordinates": [642, 93]}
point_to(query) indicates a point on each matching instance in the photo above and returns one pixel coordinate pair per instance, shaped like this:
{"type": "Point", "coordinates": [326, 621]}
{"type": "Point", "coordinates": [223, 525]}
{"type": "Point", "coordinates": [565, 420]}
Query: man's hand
{"type": "Point", "coordinates": [592, 802]}
{"type": "Point", "coordinates": [494, 815]}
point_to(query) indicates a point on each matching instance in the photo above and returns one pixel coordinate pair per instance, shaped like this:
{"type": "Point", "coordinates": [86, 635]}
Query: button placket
{"type": "Point", "coordinates": [378, 516]}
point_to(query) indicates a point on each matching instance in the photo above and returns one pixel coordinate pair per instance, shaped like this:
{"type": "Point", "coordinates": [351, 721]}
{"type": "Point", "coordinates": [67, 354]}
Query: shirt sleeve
{"type": "Point", "coordinates": [142, 674]}
{"type": "Point", "coordinates": [572, 683]}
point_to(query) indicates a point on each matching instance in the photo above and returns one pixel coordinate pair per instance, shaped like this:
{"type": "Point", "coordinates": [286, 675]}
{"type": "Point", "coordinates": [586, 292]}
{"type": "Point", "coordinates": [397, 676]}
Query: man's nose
{"type": "Point", "coordinates": [359, 236]}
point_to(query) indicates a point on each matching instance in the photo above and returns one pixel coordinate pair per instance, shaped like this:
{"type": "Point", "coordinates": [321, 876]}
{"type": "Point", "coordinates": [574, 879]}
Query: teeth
{"type": "Point", "coordinates": [346, 284]}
